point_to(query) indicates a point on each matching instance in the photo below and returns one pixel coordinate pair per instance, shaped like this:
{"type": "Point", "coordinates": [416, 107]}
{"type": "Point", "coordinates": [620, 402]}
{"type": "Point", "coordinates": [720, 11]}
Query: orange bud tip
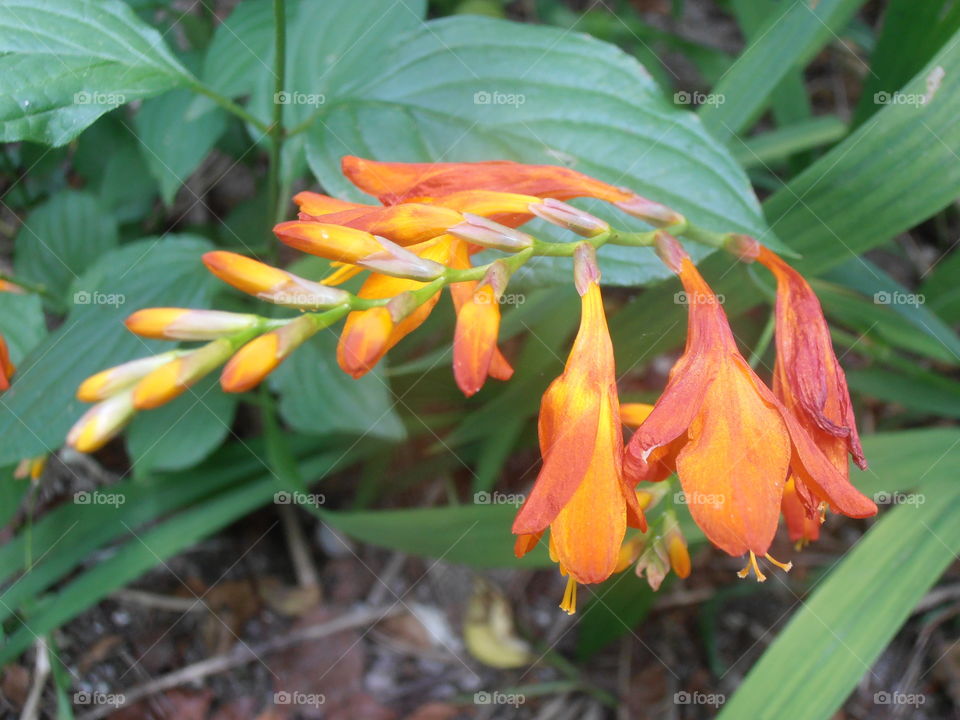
{"type": "Point", "coordinates": [567, 216]}
{"type": "Point", "coordinates": [586, 272]}
{"type": "Point", "coordinates": [752, 565]}
{"type": "Point", "coordinates": [185, 324]}
{"type": "Point", "coordinates": [651, 212]}
{"type": "Point", "coordinates": [108, 382]}
{"type": "Point", "coordinates": [569, 602]}
{"type": "Point", "coordinates": [101, 423]}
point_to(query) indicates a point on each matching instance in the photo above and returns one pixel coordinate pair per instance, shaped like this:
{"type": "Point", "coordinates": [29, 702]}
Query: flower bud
{"type": "Point", "coordinates": [334, 242]}
{"type": "Point", "coordinates": [651, 212]}
{"type": "Point", "coordinates": [569, 217]}
{"type": "Point", "coordinates": [365, 341]}
{"type": "Point", "coordinates": [586, 272]}
{"type": "Point", "coordinates": [395, 261]}
{"type": "Point", "coordinates": [655, 563]}
{"type": "Point", "coordinates": [185, 324]}
{"type": "Point", "coordinates": [487, 233]}
{"type": "Point", "coordinates": [261, 356]}
{"type": "Point", "coordinates": [172, 379]}
{"type": "Point", "coordinates": [270, 283]}
{"type": "Point", "coordinates": [111, 381]}
{"type": "Point", "coordinates": [676, 545]}
{"type": "Point", "coordinates": [101, 423]}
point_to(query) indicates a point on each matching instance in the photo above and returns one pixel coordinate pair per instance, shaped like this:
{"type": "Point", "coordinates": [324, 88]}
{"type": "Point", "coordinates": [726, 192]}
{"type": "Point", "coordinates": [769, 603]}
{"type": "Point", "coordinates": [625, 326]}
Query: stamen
{"type": "Point", "coordinates": [752, 564]}
{"type": "Point", "coordinates": [569, 604]}
{"type": "Point", "coordinates": [786, 567]}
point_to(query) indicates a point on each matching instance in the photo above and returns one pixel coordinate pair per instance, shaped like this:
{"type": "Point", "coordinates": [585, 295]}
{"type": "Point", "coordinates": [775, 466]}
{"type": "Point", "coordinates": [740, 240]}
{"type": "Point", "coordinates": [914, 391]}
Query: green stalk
{"type": "Point", "coordinates": [276, 127]}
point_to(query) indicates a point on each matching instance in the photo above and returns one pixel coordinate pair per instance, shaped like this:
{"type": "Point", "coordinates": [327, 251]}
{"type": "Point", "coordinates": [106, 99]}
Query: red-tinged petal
{"type": "Point", "coordinates": [475, 339]}
{"type": "Point", "coordinates": [364, 341]}
{"type": "Point", "coordinates": [814, 385]}
{"type": "Point", "coordinates": [800, 525]}
{"type": "Point", "coordinates": [526, 543]}
{"type": "Point", "coordinates": [588, 532]}
{"type": "Point", "coordinates": [393, 182]}
{"type": "Point", "coordinates": [735, 464]}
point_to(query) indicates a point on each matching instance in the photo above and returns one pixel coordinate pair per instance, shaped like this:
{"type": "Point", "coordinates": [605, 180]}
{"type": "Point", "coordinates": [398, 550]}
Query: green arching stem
{"type": "Point", "coordinates": [764, 341]}
{"type": "Point", "coordinates": [276, 125]}
{"type": "Point", "coordinates": [229, 105]}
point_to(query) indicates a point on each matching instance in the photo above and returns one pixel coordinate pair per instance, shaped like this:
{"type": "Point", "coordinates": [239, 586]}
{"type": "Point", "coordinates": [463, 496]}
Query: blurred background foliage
{"type": "Point", "coordinates": [790, 120]}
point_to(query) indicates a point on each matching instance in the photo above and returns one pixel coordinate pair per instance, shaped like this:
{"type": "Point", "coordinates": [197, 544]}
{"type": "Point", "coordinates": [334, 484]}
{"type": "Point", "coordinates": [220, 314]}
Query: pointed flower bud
{"type": "Point", "coordinates": [586, 272]}
{"type": "Point", "coordinates": [270, 283]}
{"type": "Point", "coordinates": [174, 378]}
{"type": "Point", "coordinates": [651, 212]}
{"type": "Point", "coordinates": [395, 261]}
{"type": "Point", "coordinates": [334, 242]}
{"type": "Point", "coordinates": [185, 324]}
{"type": "Point", "coordinates": [487, 233]}
{"type": "Point", "coordinates": [111, 381]}
{"type": "Point", "coordinates": [261, 356]}
{"type": "Point", "coordinates": [313, 203]}
{"type": "Point", "coordinates": [655, 563]}
{"type": "Point", "coordinates": [676, 545]}
{"type": "Point", "coordinates": [364, 340]}
{"type": "Point", "coordinates": [569, 217]}
{"type": "Point", "coordinates": [101, 423]}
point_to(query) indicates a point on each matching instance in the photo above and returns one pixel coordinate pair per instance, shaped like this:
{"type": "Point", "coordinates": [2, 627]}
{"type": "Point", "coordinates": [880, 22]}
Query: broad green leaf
{"type": "Point", "coordinates": [183, 432]}
{"type": "Point", "coordinates": [316, 397]}
{"type": "Point", "coordinates": [895, 170]}
{"type": "Point", "coordinates": [475, 89]}
{"type": "Point", "coordinates": [792, 34]}
{"type": "Point", "coordinates": [61, 238]}
{"type": "Point", "coordinates": [840, 630]}
{"type": "Point", "coordinates": [41, 406]}
{"type": "Point", "coordinates": [22, 324]}
{"type": "Point", "coordinates": [242, 48]}
{"type": "Point", "coordinates": [67, 62]}
{"type": "Point", "coordinates": [175, 138]}
{"type": "Point", "coordinates": [912, 33]}
{"type": "Point", "coordinates": [868, 279]}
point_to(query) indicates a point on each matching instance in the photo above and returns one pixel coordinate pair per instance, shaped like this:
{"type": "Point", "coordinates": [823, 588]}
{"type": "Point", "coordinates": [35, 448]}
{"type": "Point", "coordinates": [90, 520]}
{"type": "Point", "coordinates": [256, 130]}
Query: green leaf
{"type": "Point", "coordinates": [22, 324]}
{"type": "Point", "coordinates": [67, 62]}
{"type": "Point", "coordinates": [941, 289]}
{"type": "Point", "coordinates": [183, 432]}
{"type": "Point", "coordinates": [778, 145]}
{"type": "Point", "coordinates": [12, 491]}
{"type": "Point", "coordinates": [831, 642]}
{"type": "Point", "coordinates": [61, 238]}
{"type": "Point", "coordinates": [921, 390]}
{"type": "Point", "coordinates": [242, 48]}
{"type": "Point", "coordinates": [475, 89]}
{"type": "Point", "coordinates": [40, 406]}
{"type": "Point", "coordinates": [316, 397]}
{"type": "Point", "coordinates": [793, 33]}
{"type": "Point", "coordinates": [895, 170]}
{"type": "Point", "coordinates": [175, 137]}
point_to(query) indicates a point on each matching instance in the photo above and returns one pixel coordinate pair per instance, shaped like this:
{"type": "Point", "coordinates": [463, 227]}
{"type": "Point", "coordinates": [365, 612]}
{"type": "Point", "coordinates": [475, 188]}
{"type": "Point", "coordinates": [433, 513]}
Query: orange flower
{"type": "Point", "coordinates": [801, 526]}
{"type": "Point", "coordinates": [580, 492]}
{"type": "Point", "coordinates": [808, 379]}
{"type": "Point", "coordinates": [730, 440]}
{"type": "Point", "coordinates": [475, 338]}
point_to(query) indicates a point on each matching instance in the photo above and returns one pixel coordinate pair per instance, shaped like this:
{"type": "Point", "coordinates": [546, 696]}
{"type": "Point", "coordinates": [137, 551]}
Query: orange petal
{"type": "Point", "coordinates": [364, 341]}
{"type": "Point", "coordinates": [317, 204]}
{"type": "Point", "coordinates": [475, 340]}
{"type": "Point", "coordinates": [333, 242]}
{"type": "Point", "coordinates": [405, 224]}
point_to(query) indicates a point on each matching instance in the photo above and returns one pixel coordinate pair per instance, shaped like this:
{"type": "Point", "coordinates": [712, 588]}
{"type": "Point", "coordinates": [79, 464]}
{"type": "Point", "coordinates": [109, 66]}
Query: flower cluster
{"type": "Point", "coordinates": [744, 453]}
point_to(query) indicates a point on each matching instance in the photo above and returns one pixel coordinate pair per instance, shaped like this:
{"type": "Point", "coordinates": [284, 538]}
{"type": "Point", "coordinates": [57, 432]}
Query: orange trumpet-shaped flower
{"type": "Point", "coordinates": [475, 337]}
{"type": "Point", "coordinates": [807, 377]}
{"type": "Point", "coordinates": [580, 492]}
{"type": "Point", "coordinates": [731, 441]}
